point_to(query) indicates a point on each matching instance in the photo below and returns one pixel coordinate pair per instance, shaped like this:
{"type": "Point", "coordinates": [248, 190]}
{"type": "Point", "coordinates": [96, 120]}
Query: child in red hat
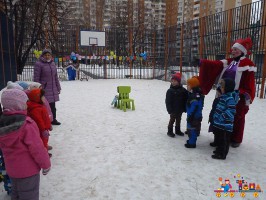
{"type": "Point", "coordinates": [176, 98]}
{"type": "Point", "coordinates": [38, 112]}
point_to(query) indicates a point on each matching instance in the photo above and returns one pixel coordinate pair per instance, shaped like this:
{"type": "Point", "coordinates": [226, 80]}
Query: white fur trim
{"type": "Point", "coordinates": [240, 47]}
{"type": "Point", "coordinates": [225, 62]}
{"type": "Point", "coordinates": [249, 68]}
{"type": "Point", "coordinates": [237, 79]}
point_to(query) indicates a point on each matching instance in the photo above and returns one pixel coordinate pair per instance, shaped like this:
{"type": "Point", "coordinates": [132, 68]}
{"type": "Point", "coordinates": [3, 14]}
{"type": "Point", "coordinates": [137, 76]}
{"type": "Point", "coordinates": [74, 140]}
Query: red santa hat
{"type": "Point", "coordinates": [243, 45]}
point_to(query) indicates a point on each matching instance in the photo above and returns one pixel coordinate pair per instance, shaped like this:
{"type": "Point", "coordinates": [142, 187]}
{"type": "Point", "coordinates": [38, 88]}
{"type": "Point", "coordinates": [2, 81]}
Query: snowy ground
{"type": "Point", "coordinates": [104, 153]}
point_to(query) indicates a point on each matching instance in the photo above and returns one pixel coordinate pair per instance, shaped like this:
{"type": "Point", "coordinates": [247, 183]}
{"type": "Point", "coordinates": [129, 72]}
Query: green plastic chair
{"type": "Point", "coordinates": [124, 101]}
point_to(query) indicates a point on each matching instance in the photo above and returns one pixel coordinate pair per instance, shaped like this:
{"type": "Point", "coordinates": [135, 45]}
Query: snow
{"type": "Point", "coordinates": [101, 152]}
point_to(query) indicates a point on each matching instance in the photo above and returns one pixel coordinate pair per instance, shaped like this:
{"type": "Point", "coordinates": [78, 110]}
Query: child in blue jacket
{"type": "Point", "coordinates": [214, 104]}
{"type": "Point", "coordinates": [223, 117]}
{"type": "Point", "coordinates": [194, 111]}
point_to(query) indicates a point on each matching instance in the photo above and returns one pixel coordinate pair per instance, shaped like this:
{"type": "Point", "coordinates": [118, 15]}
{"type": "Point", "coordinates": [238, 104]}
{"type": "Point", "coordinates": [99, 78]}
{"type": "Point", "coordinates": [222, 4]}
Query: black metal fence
{"type": "Point", "coordinates": [7, 52]}
{"type": "Point", "coordinates": [168, 50]}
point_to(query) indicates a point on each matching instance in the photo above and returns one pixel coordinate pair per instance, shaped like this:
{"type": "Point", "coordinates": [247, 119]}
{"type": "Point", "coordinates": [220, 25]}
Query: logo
{"type": "Point", "coordinates": [242, 188]}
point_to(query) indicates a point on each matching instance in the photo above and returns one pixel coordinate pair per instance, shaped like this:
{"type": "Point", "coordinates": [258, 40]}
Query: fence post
{"type": "Point", "coordinates": [228, 42]}
{"type": "Point", "coordinates": [77, 45]}
{"type": "Point", "coordinates": [181, 48]}
{"type": "Point", "coordinates": [166, 53]}
{"type": "Point", "coordinates": [154, 46]}
{"type": "Point", "coordinates": [263, 38]}
{"type": "Point", "coordinates": [201, 46]}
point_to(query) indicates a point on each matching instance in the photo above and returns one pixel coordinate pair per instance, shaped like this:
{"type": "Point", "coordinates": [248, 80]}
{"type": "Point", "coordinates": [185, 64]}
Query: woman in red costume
{"type": "Point", "coordinates": [240, 69]}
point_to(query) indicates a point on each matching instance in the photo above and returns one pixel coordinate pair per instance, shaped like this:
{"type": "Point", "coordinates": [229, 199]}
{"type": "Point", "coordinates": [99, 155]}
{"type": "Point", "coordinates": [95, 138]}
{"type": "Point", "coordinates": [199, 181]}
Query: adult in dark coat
{"type": "Point", "coordinates": [45, 73]}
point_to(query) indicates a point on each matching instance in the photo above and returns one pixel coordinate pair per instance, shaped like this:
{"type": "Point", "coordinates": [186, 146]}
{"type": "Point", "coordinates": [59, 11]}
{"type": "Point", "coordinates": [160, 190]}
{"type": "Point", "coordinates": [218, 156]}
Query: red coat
{"type": "Point", "coordinates": [212, 71]}
{"type": "Point", "coordinates": [39, 114]}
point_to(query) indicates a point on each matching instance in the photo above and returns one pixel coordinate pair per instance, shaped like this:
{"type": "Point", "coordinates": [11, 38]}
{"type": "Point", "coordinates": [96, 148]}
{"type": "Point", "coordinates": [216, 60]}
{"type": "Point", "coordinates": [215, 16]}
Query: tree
{"type": "Point", "coordinates": [32, 20]}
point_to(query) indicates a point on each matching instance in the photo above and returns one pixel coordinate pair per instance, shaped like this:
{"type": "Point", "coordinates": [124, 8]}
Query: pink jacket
{"type": "Point", "coordinates": [22, 147]}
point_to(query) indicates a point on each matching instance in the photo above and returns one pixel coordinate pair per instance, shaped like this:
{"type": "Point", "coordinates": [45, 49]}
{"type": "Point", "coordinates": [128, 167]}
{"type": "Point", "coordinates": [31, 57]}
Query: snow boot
{"type": "Point", "coordinates": [55, 122]}
{"type": "Point", "coordinates": [190, 145]}
{"type": "Point", "coordinates": [218, 156]}
{"type": "Point", "coordinates": [178, 131]}
{"type": "Point", "coordinates": [235, 144]}
{"type": "Point", "coordinates": [170, 132]}
{"type": "Point", "coordinates": [215, 142]}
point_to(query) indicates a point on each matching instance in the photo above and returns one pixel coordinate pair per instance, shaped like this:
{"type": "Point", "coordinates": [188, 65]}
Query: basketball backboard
{"type": "Point", "coordinates": [92, 38]}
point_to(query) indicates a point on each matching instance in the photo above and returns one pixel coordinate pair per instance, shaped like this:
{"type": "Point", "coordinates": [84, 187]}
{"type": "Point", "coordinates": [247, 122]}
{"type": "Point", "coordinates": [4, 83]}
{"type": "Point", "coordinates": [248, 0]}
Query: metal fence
{"type": "Point", "coordinates": [7, 52]}
{"type": "Point", "coordinates": [168, 50]}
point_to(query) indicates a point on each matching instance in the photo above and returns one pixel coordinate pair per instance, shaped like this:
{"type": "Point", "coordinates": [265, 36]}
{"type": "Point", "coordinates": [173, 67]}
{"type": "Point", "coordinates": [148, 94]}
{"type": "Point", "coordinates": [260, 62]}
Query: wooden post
{"type": "Point", "coordinates": [201, 46]}
{"type": "Point", "coordinates": [166, 53]}
{"type": "Point", "coordinates": [263, 46]}
{"type": "Point", "coordinates": [181, 48]}
{"type": "Point", "coordinates": [130, 32]}
{"type": "Point", "coordinates": [154, 59]}
{"type": "Point", "coordinates": [263, 74]}
{"type": "Point", "coordinates": [228, 42]}
{"type": "Point", "coordinates": [77, 47]}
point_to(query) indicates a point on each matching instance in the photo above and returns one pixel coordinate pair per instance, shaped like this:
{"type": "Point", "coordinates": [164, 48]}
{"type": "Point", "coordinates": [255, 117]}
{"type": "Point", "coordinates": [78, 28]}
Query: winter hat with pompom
{"type": "Point", "coordinates": [12, 85]}
{"type": "Point", "coordinates": [47, 51]}
{"type": "Point", "coordinates": [34, 85]}
{"type": "Point", "coordinates": [23, 84]}
{"type": "Point", "coordinates": [177, 77]}
{"type": "Point", "coordinates": [14, 99]}
{"type": "Point", "coordinates": [193, 82]}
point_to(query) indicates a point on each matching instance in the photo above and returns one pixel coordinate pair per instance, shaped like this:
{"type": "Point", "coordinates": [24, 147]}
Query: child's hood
{"type": "Point", "coordinates": [33, 105]}
{"type": "Point", "coordinates": [10, 125]}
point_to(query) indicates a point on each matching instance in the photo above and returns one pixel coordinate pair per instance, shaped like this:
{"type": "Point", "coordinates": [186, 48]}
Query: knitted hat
{"type": "Point", "coordinates": [14, 99]}
{"type": "Point", "coordinates": [46, 51]}
{"type": "Point", "coordinates": [34, 85]}
{"type": "Point", "coordinates": [243, 45]}
{"type": "Point", "coordinates": [229, 85]}
{"type": "Point", "coordinates": [193, 82]}
{"type": "Point", "coordinates": [12, 85]}
{"type": "Point", "coordinates": [35, 95]}
{"type": "Point", "coordinates": [176, 77]}
{"type": "Point", "coordinates": [23, 84]}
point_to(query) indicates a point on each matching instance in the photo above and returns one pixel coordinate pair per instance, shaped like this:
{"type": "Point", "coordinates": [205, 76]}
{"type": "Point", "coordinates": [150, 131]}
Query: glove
{"type": "Point", "coordinates": [247, 98]}
{"type": "Point", "coordinates": [51, 128]}
{"type": "Point", "coordinates": [45, 171]}
{"type": "Point", "coordinates": [45, 134]}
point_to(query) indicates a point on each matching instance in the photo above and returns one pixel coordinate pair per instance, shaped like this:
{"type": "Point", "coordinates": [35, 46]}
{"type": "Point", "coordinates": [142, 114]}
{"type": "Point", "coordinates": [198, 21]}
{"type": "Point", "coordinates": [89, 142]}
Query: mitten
{"type": "Point", "coordinates": [45, 134]}
{"type": "Point", "coordinates": [45, 171]}
{"type": "Point", "coordinates": [247, 99]}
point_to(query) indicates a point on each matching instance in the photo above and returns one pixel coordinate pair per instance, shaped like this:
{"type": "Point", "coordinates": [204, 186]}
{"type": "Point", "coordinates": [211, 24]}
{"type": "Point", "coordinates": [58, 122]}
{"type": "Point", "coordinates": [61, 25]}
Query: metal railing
{"type": "Point", "coordinates": [168, 50]}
